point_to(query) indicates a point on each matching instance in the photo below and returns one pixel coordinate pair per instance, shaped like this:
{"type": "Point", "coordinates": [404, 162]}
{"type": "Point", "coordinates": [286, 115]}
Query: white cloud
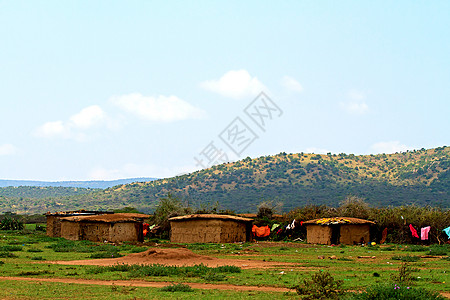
{"type": "Point", "coordinates": [291, 84]}
{"type": "Point", "coordinates": [317, 150]}
{"type": "Point", "coordinates": [53, 129]}
{"type": "Point", "coordinates": [235, 84]}
{"type": "Point", "coordinates": [388, 147]}
{"type": "Point", "coordinates": [73, 128]}
{"type": "Point", "coordinates": [357, 105]}
{"type": "Point", "coordinates": [160, 109]}
{"type": "Point", "coordinates": [88, 117]}
{"type": "Point", "coordinates": [7, 149]}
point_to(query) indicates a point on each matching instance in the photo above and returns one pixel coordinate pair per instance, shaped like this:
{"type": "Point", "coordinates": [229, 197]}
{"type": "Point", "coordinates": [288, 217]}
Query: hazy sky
{"type": "Point", "coordinates": [116, 89]}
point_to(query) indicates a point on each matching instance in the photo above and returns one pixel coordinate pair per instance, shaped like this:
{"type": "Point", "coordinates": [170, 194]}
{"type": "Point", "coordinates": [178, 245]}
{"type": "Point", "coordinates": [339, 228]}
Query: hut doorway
{"type": "Point", "coordinates": [335, 234]}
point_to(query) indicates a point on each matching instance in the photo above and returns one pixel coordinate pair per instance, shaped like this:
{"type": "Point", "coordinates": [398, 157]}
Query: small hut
{"type": "Point", "coordinates": [210, 228]}
{"type": "Point", "coordinates": [338, 230]}
{"type": "Point", "coordinates": [54, 219]}
{"type": "Point", "coordinates": [118, 227]}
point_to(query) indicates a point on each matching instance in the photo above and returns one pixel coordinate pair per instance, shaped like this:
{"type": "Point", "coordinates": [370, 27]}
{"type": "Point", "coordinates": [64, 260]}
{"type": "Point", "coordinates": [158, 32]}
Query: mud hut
{"type": "Point", "coordinates": [118, 227]}
{"type": "Point", "coordinates": [338, 230]}
{"type": "Point", "coordinates": [54, 219]}
{"type": "Point", "coordinates": [210, 228]}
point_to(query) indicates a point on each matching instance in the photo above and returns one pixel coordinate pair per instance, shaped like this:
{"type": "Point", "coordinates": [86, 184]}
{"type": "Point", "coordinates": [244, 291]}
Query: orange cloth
{"type": "Point", "coordinates": [261, 231]}
{"type": "Point", "coordinates": [145, 228]}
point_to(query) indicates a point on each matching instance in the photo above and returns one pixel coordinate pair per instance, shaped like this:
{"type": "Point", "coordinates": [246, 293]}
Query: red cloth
{"type": "Point", "coordinates": [413, 231]}
{"type": "Point", "coordinates": [261, 231]}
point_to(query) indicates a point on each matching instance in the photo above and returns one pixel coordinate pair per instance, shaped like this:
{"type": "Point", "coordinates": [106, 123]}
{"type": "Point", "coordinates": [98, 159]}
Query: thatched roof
{"type": "Point", "coordinates": [210, 216]}
{"type": "Point", "coordinates": [108, 218]}
{"type": "Point", "coordinates": [337, 220]}
{"type": "Point", "coordinates": [80, 212]}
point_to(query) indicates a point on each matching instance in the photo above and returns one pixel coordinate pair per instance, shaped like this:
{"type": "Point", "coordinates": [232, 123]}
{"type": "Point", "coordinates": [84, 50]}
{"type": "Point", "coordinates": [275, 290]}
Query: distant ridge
{"type": "Point", "coordinates": [91, 184]}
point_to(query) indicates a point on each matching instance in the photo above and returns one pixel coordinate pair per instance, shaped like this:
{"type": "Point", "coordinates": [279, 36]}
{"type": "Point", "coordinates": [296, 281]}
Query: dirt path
{"type": "Point", "coordinates": [139, 283]}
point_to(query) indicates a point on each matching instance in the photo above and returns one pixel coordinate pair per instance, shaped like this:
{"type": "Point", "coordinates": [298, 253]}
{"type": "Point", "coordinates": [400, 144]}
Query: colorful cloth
{"type": "Point", "coordinates": [447, 231]}
{"type": "Point", "coordinates": [413, 231]}
{"type": "Point", "coordinates": [424, 233]}
{"type": "Point", "coordinates": [261, 231]}
{"type": "Point", "coordinates": [291, 226]}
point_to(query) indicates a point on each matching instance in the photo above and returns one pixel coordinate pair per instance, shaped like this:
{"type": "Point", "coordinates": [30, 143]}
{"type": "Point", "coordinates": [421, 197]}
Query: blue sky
{"type": "Point", "coordinates": [116, 89]}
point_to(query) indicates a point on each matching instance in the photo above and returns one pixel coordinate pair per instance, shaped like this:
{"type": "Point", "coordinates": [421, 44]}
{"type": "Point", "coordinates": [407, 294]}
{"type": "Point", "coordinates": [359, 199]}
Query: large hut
{"type": "Point", "coordinates": [210, 228]}
{"type": "Point", "coordinates": [118, 227]}
{"type": "Point", "coordinates": [338, 230]}
{"type": "Point", "coordinates": [54, 219]}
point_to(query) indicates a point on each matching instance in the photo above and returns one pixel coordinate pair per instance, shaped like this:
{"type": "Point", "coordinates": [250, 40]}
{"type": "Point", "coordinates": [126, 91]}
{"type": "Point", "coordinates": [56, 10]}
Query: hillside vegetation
{"type": "Point", "coordinates": [420, 177]}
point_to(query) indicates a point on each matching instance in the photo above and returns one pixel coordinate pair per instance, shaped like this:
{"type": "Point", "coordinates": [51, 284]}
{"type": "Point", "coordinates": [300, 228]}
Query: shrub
{"type": "Point", "coordinates": [180, 287]}
{"type": "Point", "coordinates": [394, 291]}
{"type": "Point", "coordinates": [168, 207]}
{"type": "Point", "coordinates": [105, 255]}
{"type": "Point", "coordinates": [354, 207]}
{"type": "Point", "coordinates": [6, 254]}
{"type": "Point", "coordinates": [406, 258]}
{"type": "Point", "coordinates": [417, 248]}
{"type": "Point", "coordinates": [10, 248]}
{"type": "Point", "coordinates": [38, 258]}
{"type": "Point", "coordinates": [321, 286]}
{"type": "Point", "coordinates": [438, 250]}
{"type": "Point", "coordinates": [34, 250]}
{"type": "Point", "coordinates": [9, 223]}
{"type": "Point", "coordinates": [404, 275]}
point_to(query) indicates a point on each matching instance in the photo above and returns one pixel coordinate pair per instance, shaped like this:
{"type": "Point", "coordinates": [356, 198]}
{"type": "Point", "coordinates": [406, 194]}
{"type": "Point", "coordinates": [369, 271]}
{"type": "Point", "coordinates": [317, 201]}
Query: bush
{"type": "Point", "coordinates": [321, 286]}
{"type": "Point", "coordinates": [438, 250]}
{"type": "Point", "coordinates": [38, 258]}
{"type": "Point", "coordinates": [394, 291]}
{"type": "Point", "coordinates": [10, 248]}
{"type": "Point", "coordinates": [6, 254]}
{"type": "Point", "coordinates": [406, 258]}
{"type": "Point", "coordinates": [180, 287]}
{"type": "Point", "coordinates": [9, 223]}
{"type": "Point", "coordinates": [105, 255]}
{"type": "Point", "coordinates": [167, 208]}
{"type": "Point", "coordinates": [404, 275]}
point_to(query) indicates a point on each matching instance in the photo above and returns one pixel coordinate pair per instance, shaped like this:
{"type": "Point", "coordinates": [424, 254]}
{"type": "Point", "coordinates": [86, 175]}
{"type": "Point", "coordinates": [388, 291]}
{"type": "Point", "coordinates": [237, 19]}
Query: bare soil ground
{"type": "Point", "coordinates": [174, 257]}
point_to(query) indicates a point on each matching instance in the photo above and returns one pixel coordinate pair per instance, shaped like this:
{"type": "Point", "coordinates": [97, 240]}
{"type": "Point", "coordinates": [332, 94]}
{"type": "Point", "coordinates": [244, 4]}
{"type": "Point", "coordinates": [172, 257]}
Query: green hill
{"type": "Point", "coordinates": [419, 177]}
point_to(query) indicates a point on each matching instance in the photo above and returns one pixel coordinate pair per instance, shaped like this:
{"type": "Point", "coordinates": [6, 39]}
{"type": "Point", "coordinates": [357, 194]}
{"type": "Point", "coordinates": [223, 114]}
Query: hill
{"type": "Point", "coordinates": [419, 177]}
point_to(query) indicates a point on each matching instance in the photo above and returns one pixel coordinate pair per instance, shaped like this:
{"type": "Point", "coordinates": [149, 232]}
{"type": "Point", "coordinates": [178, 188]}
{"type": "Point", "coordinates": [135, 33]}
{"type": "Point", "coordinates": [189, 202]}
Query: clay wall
{"type": "Point", "coordinates": [317, 234]}
{"type": "Point", "coordinates": [70, 230]}
{"type": "Point", "coordinates": [352, 233]}
{"type": "Point", "coordinates": [208, 231]}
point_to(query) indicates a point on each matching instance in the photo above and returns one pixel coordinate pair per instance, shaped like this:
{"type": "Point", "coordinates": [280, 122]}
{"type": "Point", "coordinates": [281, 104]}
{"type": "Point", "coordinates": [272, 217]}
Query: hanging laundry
{"type": "Point", "coordinates": [261, 231]}
{"type": "Point", "coordinates": [447, 231]}
{"type": "Point", "coordinates": [424, 233]}
{"type": "Point", "coordinates": [274, 226]}
{"type": "Point", "coordinates": [413, 231]}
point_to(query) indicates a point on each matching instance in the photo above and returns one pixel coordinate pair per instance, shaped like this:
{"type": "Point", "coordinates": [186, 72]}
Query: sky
{"type": "Point", "coordinates": [101, 90]}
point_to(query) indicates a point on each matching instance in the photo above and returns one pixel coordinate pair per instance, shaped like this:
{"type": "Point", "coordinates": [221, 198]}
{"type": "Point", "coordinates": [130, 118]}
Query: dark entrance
{"type": "Point", "coordinates": [335, 234]}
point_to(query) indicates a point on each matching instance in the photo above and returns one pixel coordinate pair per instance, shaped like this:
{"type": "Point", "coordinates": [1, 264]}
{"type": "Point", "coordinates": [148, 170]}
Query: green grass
{"type": "Point", "coordinates": [10, 289]}
{"type": "Point", "coordinates": [356, 273]}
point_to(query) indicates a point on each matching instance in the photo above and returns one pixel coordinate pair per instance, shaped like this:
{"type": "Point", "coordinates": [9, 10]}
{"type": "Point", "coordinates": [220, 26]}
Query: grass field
{"type": "Point", "coordinates": [24, 254]}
